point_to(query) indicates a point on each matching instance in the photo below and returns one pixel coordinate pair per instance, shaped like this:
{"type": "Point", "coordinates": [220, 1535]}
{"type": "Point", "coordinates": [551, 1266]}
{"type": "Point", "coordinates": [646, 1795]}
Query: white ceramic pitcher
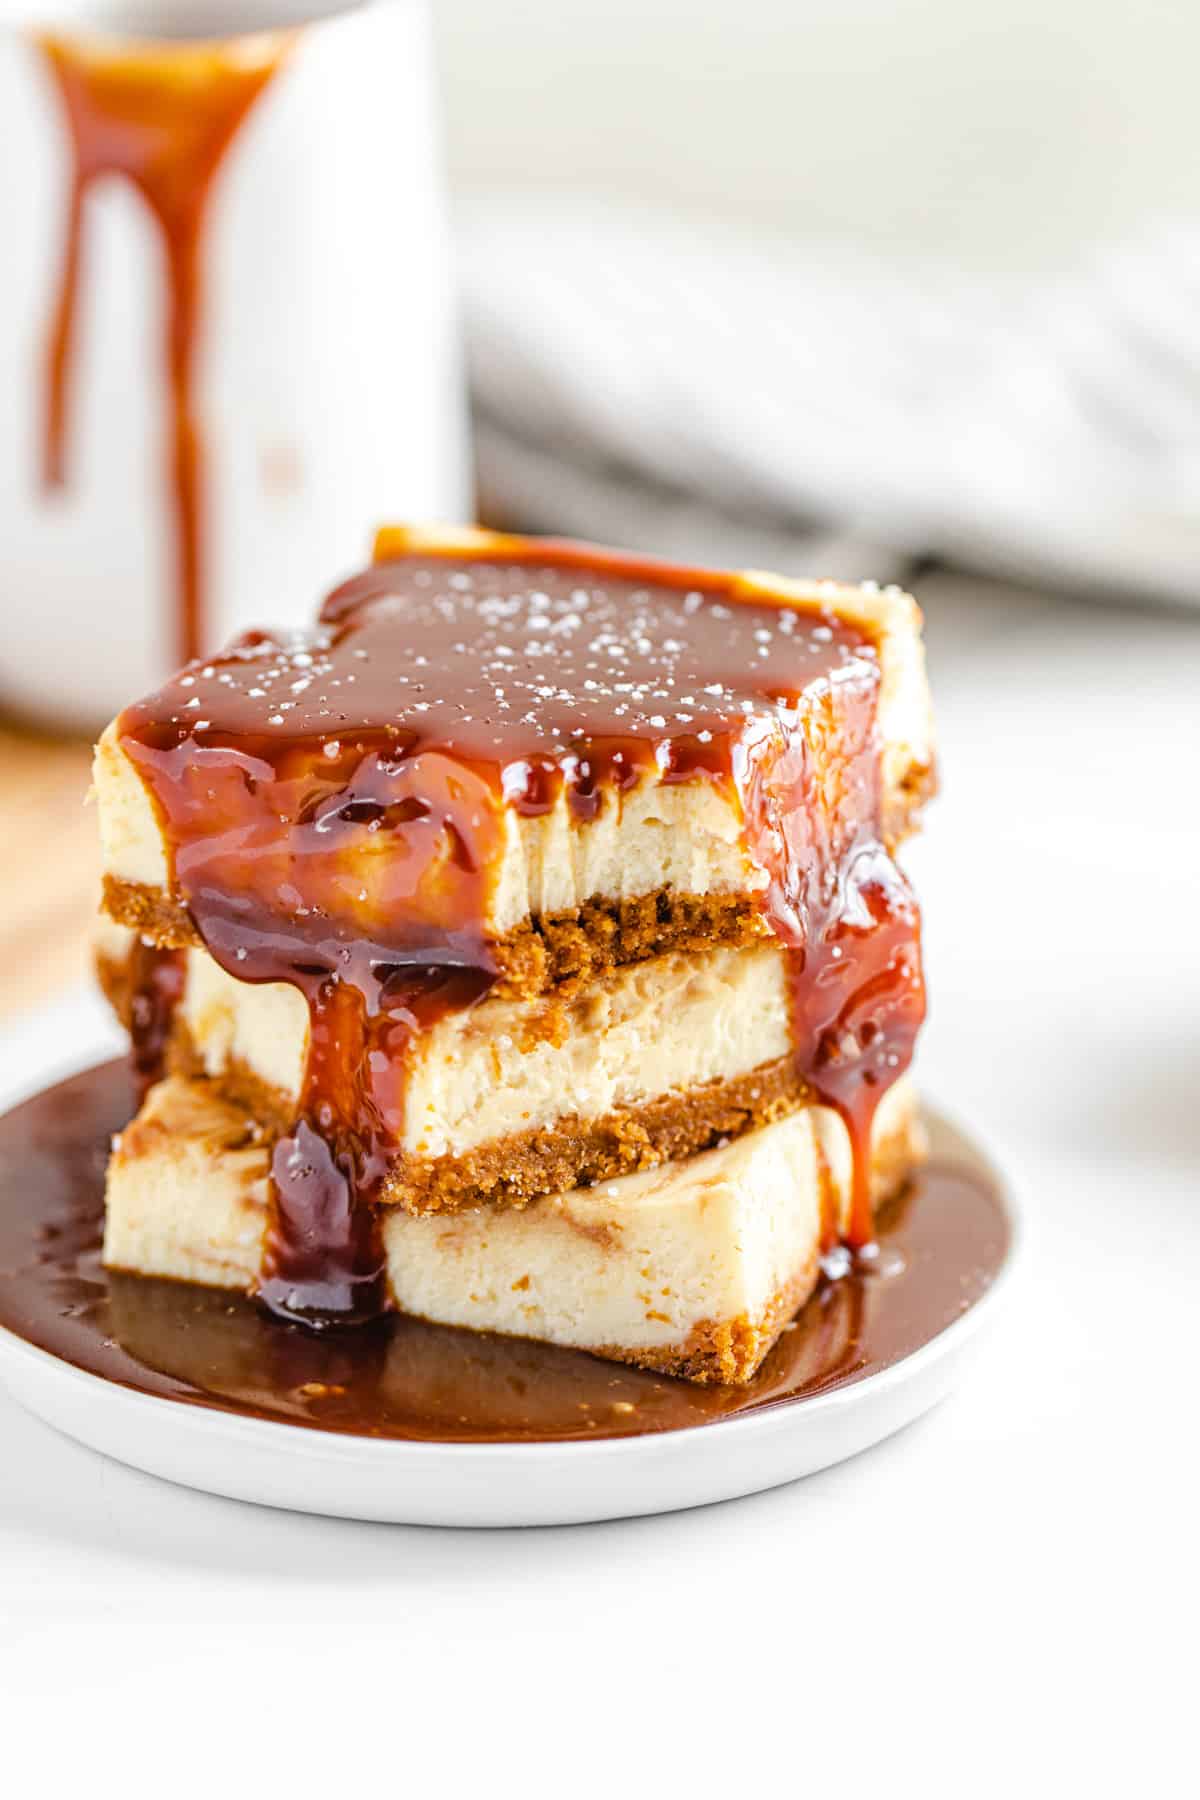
{"type": "Point", "coordinates": [324, 372]}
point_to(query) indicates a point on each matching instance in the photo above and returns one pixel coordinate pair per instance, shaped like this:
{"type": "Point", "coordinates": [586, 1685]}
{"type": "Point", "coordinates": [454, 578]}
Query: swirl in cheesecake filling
{"type": "Point", "coordinates": [334, 806]}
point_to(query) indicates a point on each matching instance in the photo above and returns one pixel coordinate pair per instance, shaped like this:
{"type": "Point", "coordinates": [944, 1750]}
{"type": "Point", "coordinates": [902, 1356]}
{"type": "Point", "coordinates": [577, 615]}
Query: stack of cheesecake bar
{"type": "Point", "coordinates": [523, 948]}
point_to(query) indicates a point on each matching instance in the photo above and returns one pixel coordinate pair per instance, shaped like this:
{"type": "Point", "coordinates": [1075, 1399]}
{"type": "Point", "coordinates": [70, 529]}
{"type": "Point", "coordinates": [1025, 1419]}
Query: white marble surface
{"type": "Point", "coordinates": [1005, 1595]}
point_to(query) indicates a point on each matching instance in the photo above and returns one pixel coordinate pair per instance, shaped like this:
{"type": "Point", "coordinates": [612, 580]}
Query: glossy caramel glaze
{"type": "Point", "coordinates": [334, 806]}
{"type": "Point", "coordinates": [156, 981]}
{"type": "Point", "coordinates": [940, 1248]}
{"type": "Point", "coordinates": [161, 116]}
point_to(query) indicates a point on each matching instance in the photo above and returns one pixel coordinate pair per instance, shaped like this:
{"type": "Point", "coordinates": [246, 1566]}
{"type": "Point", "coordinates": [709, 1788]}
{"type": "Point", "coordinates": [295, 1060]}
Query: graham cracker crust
{"type": "Point", "coordinates": [728, 1352]}
{"type": "Point", "coordinates": [524, 1165]}
{"type": "Point", "coordinates": [544, 952]}
{"type": "Point", "coordinates": [113, 975]}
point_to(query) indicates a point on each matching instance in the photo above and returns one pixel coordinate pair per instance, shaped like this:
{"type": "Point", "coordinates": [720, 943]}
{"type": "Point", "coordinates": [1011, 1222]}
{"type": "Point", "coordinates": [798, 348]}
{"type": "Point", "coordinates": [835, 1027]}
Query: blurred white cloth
{"type": "Point", "coordinates": [651, 382]}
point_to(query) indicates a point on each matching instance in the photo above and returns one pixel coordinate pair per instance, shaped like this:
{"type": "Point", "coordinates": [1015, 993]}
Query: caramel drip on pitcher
{"type": "Point", "coordinates": [334, 804]}
{"type": "Point", "coordinates": [160, 116]}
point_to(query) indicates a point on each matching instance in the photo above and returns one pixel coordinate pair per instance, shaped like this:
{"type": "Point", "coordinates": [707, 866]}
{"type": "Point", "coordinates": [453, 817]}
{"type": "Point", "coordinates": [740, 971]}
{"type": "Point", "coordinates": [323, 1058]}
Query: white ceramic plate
{"type": "Point", "coordinates": [277, 1464]}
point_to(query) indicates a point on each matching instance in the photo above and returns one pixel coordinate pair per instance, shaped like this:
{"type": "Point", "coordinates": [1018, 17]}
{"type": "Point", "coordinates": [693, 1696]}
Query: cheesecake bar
{"type": "Point", "coordinates": [599, 735]}
{"type": "Point", "coordinates": [692, 1268]}
{"type": "Point", "coordinates": [530, 874]}
{"type": "Point", "coordinates": [514, 1098]}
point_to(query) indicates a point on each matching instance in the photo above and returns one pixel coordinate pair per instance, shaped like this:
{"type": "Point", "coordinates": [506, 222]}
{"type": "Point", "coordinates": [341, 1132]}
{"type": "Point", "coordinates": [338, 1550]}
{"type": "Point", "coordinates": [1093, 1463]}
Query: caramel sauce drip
{"type": "Point", "coordinates": [335, 805]}
{"type": "Point", "coordinates": [156, 979]}
{"type": "Point", "coordinates": [161, 116]}
{"type": "Point", "coordinates": [840, 902]}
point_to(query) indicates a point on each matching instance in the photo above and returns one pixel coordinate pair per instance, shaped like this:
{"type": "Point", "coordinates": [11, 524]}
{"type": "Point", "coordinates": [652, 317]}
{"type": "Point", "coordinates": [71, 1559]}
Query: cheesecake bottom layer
{"type": "Point", "coordinates": [691, 1269]}
{"type": "Point", "coordinates": [510, 1100]}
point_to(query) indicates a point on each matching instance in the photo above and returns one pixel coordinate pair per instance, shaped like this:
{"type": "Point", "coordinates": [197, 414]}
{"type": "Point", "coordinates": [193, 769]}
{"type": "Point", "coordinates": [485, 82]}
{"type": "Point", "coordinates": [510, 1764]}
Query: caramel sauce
{"type": "Point", "coordinates": [941, 1246]}
{"type": "Point", "coordinates": [334, 801]}
{"type": "Point", "coordinates": [160, 116]}
{"type": "Point", "coordinates": [156, 980]}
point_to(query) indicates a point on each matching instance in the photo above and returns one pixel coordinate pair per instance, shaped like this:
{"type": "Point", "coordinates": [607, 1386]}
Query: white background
{"type": "Point", "coordinates": [1001, 1599]}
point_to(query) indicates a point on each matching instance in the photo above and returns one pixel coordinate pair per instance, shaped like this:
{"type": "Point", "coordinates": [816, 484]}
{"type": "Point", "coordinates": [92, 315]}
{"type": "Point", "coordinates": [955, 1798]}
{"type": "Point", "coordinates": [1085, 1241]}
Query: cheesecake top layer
{"type": "Point", "coordinates": [336, 809]}
{"type": "Point", "coordinates": [506, 731]}
{"type": "Point", "coordinates": [372, 761]}
{"type": "Point", "coordinates": [533, 673]}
